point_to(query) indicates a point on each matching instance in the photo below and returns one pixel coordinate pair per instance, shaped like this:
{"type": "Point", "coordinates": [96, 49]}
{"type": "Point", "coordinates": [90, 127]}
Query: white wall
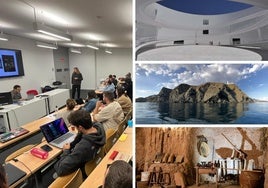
{"type": "Point", "coordinates": [216, 141]}
{"type": "Point", "coordinates": [96, 65]}
{"type": "Point", "coordinates": [86, 64]}
{"type": "Point", "coordinates": [175, 25]}
{"type": "Point", "coordinates": [119, 63]}
{"type": "Point", "coordinates": [38, 66]}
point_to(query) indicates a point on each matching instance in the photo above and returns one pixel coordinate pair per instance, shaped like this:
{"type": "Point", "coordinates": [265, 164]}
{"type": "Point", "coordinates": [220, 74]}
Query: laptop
{"type": "Point", "coordinates": [57, 133]}
{"type": "Point", "coordinates": [13, 173]}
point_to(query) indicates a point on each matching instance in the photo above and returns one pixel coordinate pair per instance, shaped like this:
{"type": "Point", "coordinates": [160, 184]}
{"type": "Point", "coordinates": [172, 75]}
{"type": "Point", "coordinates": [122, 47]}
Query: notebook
{"type": "Point", "coordinates": [56, 133]}
{"type": "Point", "coordinates": [4, 137]}
{"type": "Point", "coordinates": [13, 173]}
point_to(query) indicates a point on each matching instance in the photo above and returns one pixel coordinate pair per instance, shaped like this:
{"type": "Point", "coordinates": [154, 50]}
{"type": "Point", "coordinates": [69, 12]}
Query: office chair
{"type": "Point", "coordinates": [91, 165]}
{"type": "Point", "coordinates": [111, 138]}
{"type": "Point", "coordinates": [129, 115]}
{"type": "Point", "coordinates": [123, 124]}
{"type": "Point", "coordinates": [72, 180]}
{"type": "Point", "coordinates": [121, 127]}
{"type": "Point", "coordinates": [19, 152]}
{"type": "Point", "coordinates": [31, 93]}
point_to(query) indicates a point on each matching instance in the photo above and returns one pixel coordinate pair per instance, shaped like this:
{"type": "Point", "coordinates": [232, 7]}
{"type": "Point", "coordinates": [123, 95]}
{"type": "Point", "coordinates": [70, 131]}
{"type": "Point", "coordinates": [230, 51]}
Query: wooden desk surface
{"type": "Point", "coordinates": [31, 164]}
{"type": "Point", "coordinates": [32, 127]}
{"type": "Point", "coordinates": [95, 179]}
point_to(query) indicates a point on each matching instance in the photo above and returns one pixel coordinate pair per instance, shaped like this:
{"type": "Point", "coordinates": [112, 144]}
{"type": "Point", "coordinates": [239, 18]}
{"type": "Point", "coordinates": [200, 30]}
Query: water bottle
{"type": "Point", "coordinates": [130, 123]}
{"type": "Point", "coordinates": [56, 111]}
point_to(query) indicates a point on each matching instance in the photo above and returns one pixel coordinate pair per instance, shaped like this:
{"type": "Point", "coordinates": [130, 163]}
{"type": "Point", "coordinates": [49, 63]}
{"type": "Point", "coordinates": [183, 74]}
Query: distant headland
{"type": "Point", "coordinates": [210, 92]}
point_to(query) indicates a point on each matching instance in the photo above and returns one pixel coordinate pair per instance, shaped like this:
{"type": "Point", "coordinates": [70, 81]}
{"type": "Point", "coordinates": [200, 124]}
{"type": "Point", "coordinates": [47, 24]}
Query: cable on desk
{"type": "Point", "coordinates": [16, 160]}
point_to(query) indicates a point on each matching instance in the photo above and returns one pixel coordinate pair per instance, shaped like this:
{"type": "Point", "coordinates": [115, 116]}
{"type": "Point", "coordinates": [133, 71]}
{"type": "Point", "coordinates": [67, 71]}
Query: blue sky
{"type": "Point", "coordinates": [204, 7]}
{"type": "Point", "coordinates": [250, 78]}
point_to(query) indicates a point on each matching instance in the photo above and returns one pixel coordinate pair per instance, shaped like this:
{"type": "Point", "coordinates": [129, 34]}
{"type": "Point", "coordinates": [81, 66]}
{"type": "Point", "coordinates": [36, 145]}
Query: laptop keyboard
{"type": "Point", "coordinates": [62, 138]}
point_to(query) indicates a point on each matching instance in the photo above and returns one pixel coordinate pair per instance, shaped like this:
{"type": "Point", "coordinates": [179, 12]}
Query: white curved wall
{"type": "Point", "coordinates": [158, 23]}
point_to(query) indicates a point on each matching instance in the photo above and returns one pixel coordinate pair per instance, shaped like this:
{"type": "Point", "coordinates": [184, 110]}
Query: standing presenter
{"type": "Point", "coordinates": [76, 82]}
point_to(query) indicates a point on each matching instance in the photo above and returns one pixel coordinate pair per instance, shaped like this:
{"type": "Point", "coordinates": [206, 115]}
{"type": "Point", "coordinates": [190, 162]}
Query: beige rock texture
{"type": "Point", "coordinates": [152, 142]}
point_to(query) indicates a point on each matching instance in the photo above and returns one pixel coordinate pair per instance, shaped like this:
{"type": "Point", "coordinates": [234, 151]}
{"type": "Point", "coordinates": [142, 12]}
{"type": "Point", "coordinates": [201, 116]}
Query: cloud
{"type": "Point", "coordinates": [263, 98]}
{"type": "Point", "coordinates": [145, 93]}
{"type": "Point", "coordinates": [196, 74]}
{"type": "Point", "coordinates": [253, 69]}
{"type": "Point", "coordinates": [157, 69]}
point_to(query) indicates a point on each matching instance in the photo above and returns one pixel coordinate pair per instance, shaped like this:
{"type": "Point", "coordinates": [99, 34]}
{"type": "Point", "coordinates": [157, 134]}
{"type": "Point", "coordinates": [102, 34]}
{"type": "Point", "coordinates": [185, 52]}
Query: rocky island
{"type": "Point", "coordinates": [211, 92]}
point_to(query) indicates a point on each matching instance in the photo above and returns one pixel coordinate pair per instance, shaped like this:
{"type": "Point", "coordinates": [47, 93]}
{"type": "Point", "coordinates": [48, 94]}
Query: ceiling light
{"type": "Point", "coordinates": [77, 51]}
{"type": "Point", "coordinates": [93, 47]}
{"type": "Point", "coordinates": [108, 51]}
{"type": "Point", "coordinates": [46, 45]}
{"type": "Point", "coordinates": [3, 37]}
{"type": "Point", "coordinates": [41, 28]}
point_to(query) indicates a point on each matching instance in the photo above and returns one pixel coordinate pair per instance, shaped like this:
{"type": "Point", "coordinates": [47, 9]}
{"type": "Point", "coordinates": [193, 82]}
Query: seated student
{"type": "Point", "coordinates": [128, 85]}
{"type": "Point", "coordinates": [111, 115]}
{"type": "Point", "coordinates": [16, 95]}
{"type": "Point", "coordinates": [91, 101]}
{"type": "Point", "coordinates": [3, 177]}
{"type": "Point", "coordinates": [108, 86]}
{"type": "Point", "coordinates": [118, 175]}
{"type": "Point", "coordinates": [70, 106]}
{"type": "Point", "coordinates": [123, 99]}
{"type": "Point", "coordinates": [92, 137]}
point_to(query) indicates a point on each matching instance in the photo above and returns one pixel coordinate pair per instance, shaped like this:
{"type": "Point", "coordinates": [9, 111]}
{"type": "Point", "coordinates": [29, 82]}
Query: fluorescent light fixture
{"type": "Point", "coordinates": [41, 28]}
{"type": "Point", "coordinates": [77, 51]}
{"type": "Point", "coordinates": [108, 51]}
{"type": "Point", "coordinates": [93, 47]}
{"type": "Point", "coordinates": [3, 37]}
{"type": "Point", "coordinates": [46, 45]}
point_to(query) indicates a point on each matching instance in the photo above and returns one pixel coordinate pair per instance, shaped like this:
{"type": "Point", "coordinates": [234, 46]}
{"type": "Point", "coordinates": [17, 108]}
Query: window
{"type": "Point", "coordinates": [236, 41]}
{"type": "Point", "coordinates": [178, 42]}
{"type": "Point", "coordinates": [205, 32]}
{"type": "Point", "coordinates": [205, 22]}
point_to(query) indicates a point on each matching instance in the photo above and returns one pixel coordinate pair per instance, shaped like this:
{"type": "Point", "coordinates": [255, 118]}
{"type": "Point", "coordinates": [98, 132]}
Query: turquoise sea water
{"type": "Point", "coordinates": [200, 113]}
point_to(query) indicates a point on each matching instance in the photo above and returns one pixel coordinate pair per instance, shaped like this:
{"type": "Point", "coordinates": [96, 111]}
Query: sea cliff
{"type": "Point", "coordinates": [211, 92]}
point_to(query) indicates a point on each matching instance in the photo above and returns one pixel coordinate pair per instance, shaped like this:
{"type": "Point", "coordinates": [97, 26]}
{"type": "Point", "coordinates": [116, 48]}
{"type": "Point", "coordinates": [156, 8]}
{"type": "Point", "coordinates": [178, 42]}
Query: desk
{"type": "Point", "coordinates": [56, 97]}
{"type": "Point", "coordinates": [200, 170]}
{"type": "Point", "coordinates": [14, 115]}
{"type": "Point", "coordinates": [34, 136]}
{"type": "Point", "coordinates": [95, 179]}
{"type": "Point", "coordinates": [31, 164]}
{"type": "Point", "coordinates": [33, 127]}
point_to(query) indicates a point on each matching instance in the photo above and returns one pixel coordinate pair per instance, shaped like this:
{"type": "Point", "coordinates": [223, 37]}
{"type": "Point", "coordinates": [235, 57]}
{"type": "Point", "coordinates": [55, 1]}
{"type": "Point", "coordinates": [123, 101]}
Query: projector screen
{"type": "Point", "coordinates": [11, 63]}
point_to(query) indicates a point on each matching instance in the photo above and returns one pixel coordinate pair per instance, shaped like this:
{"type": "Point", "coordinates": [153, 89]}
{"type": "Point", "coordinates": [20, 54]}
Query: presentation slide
{"type": "Point", "coordinates": [9, 63]}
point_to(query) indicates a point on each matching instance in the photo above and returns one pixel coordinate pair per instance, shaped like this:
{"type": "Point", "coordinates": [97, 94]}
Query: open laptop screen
{"type": "Point", "coordinates": [54, 129]}
{"type": "Point", "coordinates": [6, 98]}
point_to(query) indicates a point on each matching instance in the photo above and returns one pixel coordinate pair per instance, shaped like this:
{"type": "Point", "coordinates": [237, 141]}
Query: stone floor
{"type": "Point", "coordinates": [197, 53]}
{"type": "Point", "coordinates": [210, 185]}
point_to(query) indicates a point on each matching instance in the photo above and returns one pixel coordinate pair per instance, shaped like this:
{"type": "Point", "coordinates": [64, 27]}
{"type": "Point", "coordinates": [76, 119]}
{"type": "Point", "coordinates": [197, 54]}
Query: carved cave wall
{"type": "Point", "coordinates": [183, 141]}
